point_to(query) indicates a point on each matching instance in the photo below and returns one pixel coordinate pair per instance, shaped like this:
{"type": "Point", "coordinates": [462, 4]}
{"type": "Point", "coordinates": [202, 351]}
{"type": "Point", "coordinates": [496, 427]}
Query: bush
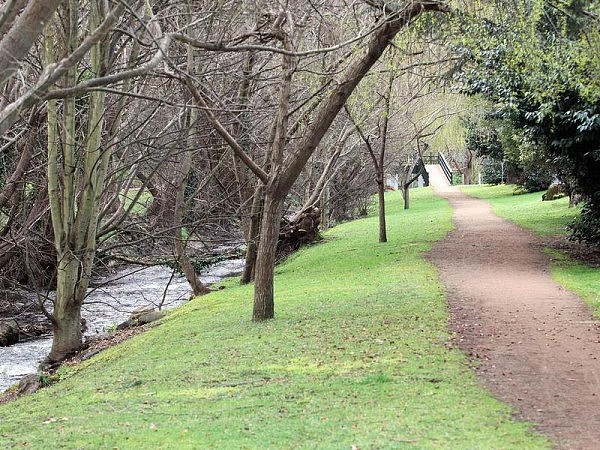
{"type": "Point", "coordinates": [491, 172]}
{"type": "Point", "coordinates": [586, 228]}
{"type": "Point", "coordinates": [535, 180]}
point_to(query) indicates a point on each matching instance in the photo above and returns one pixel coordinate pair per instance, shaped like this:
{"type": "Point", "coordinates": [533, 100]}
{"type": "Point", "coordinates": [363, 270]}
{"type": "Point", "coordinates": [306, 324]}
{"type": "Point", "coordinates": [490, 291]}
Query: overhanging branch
{"type": "Point", "coordinates": [219, 128]}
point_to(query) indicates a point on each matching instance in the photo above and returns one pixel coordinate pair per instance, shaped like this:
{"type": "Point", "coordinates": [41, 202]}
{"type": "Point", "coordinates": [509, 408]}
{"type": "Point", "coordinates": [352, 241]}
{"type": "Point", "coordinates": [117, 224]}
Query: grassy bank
{"type": "Point", "coordinates": [357, 356]}
{"type": "Point", "coordinates": [545, 219]}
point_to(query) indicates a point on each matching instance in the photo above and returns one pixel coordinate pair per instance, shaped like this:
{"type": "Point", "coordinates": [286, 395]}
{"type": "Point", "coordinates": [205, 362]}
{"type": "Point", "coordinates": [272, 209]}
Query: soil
{"type": "Point", "coordinates": [535, 344]}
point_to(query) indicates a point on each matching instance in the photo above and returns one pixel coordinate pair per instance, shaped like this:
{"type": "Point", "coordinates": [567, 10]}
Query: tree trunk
{"type": "Point", "coordinates": [380, 165]}
{"type": "Point", "coordinates": [469, 170]}
{"type": "Point", "coordinates": [264, 304]}
{"type": "Point", "coordinates": [406, 179]}
{"type": "Point", "coordinates": [381, 197]}
{"type": "Point", "coordinates": [67, 334]}
{"type": "Point", "coordinates": [325, 208]}
{"type": "Point", "coordinates": [181, 174]}
{"type": "Point", "coordinates": [253, 236]}
{"type": "Point", "coordinates": [17, 41]}
{"type": "Point", "coordinates": [198, 288]}
{"type": "Point", "coordinates": [67, 310]}
{"type": "Point", "coordinates": [9, 12]}
{"type": "Point", "coordinates": [74, 205]}
{"type": "Point", "coordinates": [264, 307]}
{"type": "Point", "coordinates": [406, 195]}
{"type": "Point", "coordinates": [179, 241]}
{"type": "Point", "coordinates": [16, 179]}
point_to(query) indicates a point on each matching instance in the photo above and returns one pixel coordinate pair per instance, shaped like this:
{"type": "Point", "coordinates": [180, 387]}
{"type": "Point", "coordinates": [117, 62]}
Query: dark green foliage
{"type": "Point", "coordinates": [587, 226]}
{"type": "Point", "coordinates": [484, 141]}
{"type": "Point", "coordinates": [499, 166]}
{"type": "Point", "coordinates": [492, 172]}
{"type": "Point", "coordinates": [534, 179]}
{"type": "Point", "coordinates": [202, 262]}
{"type": "Point", "coordinates": [537, 65]}
{"type": "Point", "coordinates": [456, 178]}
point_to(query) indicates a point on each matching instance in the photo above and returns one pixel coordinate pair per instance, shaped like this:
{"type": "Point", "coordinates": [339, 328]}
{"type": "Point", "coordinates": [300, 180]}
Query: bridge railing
{"type": "Point", "coordinates": [445, 167]}
{"type": "Point", "coordinates": [439, 159]}
{"type": "Point", "coordinates": [430, 159]}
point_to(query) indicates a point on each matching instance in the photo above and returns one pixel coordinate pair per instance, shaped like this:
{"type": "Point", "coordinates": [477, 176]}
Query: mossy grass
{"type": "Point", "coordinates": [358, 355]}
{"type": "Point", "coordinates": [141, 204]}
{"type": "Point", "coordinates": [545, 219]}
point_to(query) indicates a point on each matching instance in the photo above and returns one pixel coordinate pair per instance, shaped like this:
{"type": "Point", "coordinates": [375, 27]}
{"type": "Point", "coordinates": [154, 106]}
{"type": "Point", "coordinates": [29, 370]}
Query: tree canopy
{"type": "Point", "coordinates": [537, 64]}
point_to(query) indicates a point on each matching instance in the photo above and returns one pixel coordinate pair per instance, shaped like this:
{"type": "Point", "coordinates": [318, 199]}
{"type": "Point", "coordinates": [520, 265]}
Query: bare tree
{"type": "Point", "coordinates": [282, 173]}
{"type": "Point", "coordinates": [21, 23]}
{"type": "Point", "coordinates": [378, 158]}
{"type": "Point", "coordinates": [90, 75]}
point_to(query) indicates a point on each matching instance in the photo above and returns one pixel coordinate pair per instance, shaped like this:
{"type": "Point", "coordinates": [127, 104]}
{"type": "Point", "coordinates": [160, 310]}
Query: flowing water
{"type": "Point", "coordinates": [110, 303]}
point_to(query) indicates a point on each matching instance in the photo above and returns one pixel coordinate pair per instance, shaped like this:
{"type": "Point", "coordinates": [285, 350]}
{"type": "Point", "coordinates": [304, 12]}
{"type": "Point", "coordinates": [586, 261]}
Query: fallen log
{"type": "Point", "coordinates": [301, 229]}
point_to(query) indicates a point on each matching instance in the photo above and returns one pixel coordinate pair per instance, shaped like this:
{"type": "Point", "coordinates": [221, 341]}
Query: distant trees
{"type": "Point", "coordinates": [538, 65]}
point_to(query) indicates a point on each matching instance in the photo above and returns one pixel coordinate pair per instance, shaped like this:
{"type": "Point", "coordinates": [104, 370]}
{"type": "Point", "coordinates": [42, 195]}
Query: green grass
{"type": "Point", "coordinates": [577, 277]}
{"type": "Point", "coordinates": [545, 219]}
{"type": "Point", "coordinates": [357, 355]}
{"type": "Point", "coordinates": [527, 210]}
{"type": "Point", "coordinates": [142, 202]}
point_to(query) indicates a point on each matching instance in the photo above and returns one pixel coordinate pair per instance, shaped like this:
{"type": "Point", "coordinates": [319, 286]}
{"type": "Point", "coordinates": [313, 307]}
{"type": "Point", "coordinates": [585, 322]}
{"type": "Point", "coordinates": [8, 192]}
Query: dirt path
{"type": "Point", "coordinates": [536, 344]}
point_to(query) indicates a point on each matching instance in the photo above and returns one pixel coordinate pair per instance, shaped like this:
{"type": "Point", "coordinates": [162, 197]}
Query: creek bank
{"type": "Point", "coordinates": [22, 311]}
{"type": "Point", "coordinates": [111, 302]}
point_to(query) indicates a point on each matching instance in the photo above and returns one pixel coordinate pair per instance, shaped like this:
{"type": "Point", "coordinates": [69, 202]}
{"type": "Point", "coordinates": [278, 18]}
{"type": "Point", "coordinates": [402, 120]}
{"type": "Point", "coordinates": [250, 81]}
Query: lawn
{"type": "Point", "coordinates": [545, 219]}
{"type": "Point", "coordinates": [357, 356]}
{"type": "Point", "coordinates": [527, 210]}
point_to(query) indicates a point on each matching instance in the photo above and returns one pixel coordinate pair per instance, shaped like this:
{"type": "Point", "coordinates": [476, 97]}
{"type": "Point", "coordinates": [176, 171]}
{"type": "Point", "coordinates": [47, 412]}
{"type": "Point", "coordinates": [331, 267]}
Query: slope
{"type": "Point", "coordinates": [358, 355]}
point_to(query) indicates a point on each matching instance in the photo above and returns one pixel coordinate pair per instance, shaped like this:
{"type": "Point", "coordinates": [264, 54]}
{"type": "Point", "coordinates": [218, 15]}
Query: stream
{"type": "Point", "coordinates": [112, 303]}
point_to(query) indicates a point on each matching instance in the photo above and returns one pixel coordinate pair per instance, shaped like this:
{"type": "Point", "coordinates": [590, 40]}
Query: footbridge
{"type": "Point", "coordinates": [440, 173]}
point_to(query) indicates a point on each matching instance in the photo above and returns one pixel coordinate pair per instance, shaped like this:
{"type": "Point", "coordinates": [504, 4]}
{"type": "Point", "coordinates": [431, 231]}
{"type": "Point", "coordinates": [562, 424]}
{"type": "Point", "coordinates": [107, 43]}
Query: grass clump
{"type": "Point", "coordinates": [546, 219]}
{"type": "Point", "coordinates": [577, 277]}
{"type": "Point", "coordinates": [357, 356]}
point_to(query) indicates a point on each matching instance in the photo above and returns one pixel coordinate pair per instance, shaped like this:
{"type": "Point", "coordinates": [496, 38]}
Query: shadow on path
{"type": "Point", "coordinates": [536, 344]}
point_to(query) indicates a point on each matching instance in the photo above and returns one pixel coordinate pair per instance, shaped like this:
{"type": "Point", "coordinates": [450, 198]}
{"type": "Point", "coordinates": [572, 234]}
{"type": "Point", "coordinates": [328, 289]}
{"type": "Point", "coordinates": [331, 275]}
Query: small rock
{"type": "Point", "coordinates": [90, 340]}
{"type": "Point", "coordinates": [29, 384]}
{"type": "Point", "coordinates": [9, 333]}
{"type": "Point", "coordinates": [141, 318]}
{"type": "Point", "coordinates": [149, 317]}
{"type": "Point", "coordinates": [124, 325]}
{"type": "Point", "coordinates": [91, 354]}
{"type": "Point", "coordinates": [142, 310]}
